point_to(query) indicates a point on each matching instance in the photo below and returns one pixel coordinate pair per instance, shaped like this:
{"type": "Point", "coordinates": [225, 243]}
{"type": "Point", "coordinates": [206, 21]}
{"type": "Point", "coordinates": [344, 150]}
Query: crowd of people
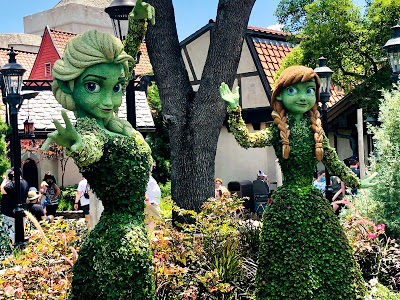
{"type": "Point", "coordinates": [338, 187]}
{"type": "Point", "coordinates": [42, 205]}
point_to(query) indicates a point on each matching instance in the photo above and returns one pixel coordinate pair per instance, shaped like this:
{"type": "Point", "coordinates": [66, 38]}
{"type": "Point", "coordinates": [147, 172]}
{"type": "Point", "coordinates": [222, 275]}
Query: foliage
{"type": "Point", "coordinates": [4, 163]}
{"type": "Point", "coordinates": [5, 244]}
{"type": "Point", "coordinates": [387, 162]}
{"type": "Point", "coordinates": [165, 189]}
{"type": "Point", "coordinates": [208, 259]}
{"type": "Point", "coordinates": [66, 199]}
{"type": "Point", "coordinates": [118, 247]}
{"type": "Point", "coordinates": [379, 291]}
{"type": "Point", "coordinates": [292, 14]}
{"type": "Point", "coordinates": [43, 269]}
{"type": "Point", "coordinates": [377, 254]}
{"type": "Point", "coordinates": [351, 42]}
{"type": "Point", "coordinates": [159, 140]}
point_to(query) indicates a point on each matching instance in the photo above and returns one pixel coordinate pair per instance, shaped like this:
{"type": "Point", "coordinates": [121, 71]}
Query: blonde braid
{"type": "Point", "coordinates": [281, 121]}
{"type": "Point", "coordinates": [316, 126]}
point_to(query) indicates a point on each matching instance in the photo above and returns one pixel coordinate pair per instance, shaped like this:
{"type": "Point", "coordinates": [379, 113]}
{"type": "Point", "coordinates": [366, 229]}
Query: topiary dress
{"type": "Point", "coordinates": [304, 253]}
{"type": "Point", "coordinates": [115, 260]}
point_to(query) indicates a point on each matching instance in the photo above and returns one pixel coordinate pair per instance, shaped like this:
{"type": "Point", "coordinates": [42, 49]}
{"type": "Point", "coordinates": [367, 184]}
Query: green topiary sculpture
{"type": "Point", "coordinates": [304, 253]}
{"type": "Point", "coordinates": [115, 260]}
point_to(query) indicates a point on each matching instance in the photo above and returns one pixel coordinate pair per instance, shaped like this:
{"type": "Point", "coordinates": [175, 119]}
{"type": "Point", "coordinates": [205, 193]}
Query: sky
{"type": "Point", "coordinates": [190, 15]}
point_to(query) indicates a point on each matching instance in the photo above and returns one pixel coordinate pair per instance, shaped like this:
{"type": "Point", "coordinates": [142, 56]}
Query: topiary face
{"type": "Point", "coordinates": [298, 98]}
{"type": "Point", "coordinates": [98, 90]}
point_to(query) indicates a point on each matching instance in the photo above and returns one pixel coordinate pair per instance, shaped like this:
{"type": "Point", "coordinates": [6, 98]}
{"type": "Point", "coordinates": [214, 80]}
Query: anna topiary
{"type": "Point", "coordinates": [304, 253]}
{"type": "Point", "coordinates": [115, 260]}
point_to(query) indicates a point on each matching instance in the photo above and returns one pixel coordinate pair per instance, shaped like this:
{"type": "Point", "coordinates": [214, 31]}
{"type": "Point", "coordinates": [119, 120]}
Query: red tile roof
{"type": "Point", "coordinates": [271, 31]}
{"type": "Point", "coordinates": [24, 58]}
{"type": "Point", "coordinates": [270, 52]}
{"type": "Point", "coordinates": [60, 39]}
{"type": "Point", "coordinates": [144, 66]}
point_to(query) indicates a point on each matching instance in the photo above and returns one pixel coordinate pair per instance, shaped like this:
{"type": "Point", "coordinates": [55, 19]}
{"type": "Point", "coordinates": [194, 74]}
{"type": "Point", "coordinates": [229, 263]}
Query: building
{"type": "Point", "coordinates": [262, 52]}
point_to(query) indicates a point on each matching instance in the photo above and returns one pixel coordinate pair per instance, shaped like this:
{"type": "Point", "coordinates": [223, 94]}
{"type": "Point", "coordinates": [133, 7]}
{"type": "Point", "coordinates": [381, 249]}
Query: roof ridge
{"type": "Point", "coordinates": [18, 50]}
{"type": "Point", "coordinates": [61, 31]}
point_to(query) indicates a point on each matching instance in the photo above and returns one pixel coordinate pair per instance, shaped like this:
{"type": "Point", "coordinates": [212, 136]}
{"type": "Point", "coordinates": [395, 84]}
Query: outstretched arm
{"type": "Point", "coordinates": [245, 139]}
{"type": "Point", "coordinates": [137, 26]}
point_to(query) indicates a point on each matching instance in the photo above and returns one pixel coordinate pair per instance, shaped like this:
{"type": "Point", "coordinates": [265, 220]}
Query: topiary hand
{"type": "Point", "coordinates": [67, 137]}
{"type": "Point", "coordinates": [232, 99]}
{"type": "Point", "coordinates": [142, 11]}
{"type": "Point", "coordinates": [366, 183]}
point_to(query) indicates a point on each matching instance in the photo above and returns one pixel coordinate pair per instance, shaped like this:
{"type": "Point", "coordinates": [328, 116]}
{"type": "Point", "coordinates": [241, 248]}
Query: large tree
{"type": "Point", "coordinates": [194, 119]}
{"type": "Point", "coordinates": [351, 41]}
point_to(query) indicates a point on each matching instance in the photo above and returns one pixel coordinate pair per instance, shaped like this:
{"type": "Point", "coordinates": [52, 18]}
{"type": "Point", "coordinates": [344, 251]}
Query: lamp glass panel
{"type": "Point", "coordinates": [324, 85]}
{"type": "Point", "coordinates": [394, 58]}
{"type": "Point", "coordinates": [13, 83]}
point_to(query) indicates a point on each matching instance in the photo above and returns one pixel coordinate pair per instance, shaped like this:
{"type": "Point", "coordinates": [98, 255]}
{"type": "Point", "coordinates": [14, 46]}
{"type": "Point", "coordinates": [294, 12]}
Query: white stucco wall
{"type": "Point", "coordinates": [197, 50]}
{"type": "Point", "coordinates": [234, 163]}
{"type": "Point", "coordinates": [72, 17]}
{"type": "Point", "coordinates": [253, 93]}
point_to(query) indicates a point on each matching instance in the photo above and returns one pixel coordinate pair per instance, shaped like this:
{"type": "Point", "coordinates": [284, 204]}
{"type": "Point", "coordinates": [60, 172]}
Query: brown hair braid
{"type": "Point", "coordinates": [288, 77]}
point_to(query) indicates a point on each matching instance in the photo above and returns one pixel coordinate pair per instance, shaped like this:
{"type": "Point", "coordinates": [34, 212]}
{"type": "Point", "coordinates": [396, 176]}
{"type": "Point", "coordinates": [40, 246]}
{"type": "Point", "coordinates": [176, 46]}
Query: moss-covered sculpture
{"type": "Point", "coordinates": [115, 260]}
{"type": "Point", "coordinates": [304, 253]}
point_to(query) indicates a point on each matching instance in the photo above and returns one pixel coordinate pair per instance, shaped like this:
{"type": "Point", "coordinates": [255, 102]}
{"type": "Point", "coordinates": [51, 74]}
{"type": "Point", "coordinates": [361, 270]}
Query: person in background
{"type": "Point", "coordinates": [82, 194]}
{"type": "Point", "coordinates": [220, 190]}
{"type": "Point", "coordinates": [9, 201]}
{"type": "Point", "coordinates": [152, 208]}
{"type": "Point", "coordinates": [264, 178]}
{"type": "Point", "coordinates": [354, 166]}
{"type": "Point", "coordinates": [50, 194]}
{"type": "Point", "coordinates": [34, 206]}
{"type": "Point", "coordinates": [320, 183]}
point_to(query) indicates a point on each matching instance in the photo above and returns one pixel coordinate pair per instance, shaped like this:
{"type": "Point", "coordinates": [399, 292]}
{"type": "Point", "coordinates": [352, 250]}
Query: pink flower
{"type": "Point", "coordinates": [372, 236]}
{"type": "Point", "coordinates": [381, 227]}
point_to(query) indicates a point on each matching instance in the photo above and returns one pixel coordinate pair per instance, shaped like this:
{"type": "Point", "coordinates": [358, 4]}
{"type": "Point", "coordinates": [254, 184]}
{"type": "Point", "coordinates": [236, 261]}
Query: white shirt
{"type": "Point", "coordinates": [82, 188]}
{"type": "Point", "coordinates": [153, 191]}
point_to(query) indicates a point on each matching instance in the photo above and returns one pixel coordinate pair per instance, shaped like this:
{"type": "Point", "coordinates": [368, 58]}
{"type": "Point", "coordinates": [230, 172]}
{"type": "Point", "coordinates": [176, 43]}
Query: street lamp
{"type": "Point", "coordinates": [325, 73]}
{"type": "Point", "coordinates": [119, 11]}
{"type": "Point", "coordinates": [392, 47]}
{"type": "Point", "coordinates": [12, 76]}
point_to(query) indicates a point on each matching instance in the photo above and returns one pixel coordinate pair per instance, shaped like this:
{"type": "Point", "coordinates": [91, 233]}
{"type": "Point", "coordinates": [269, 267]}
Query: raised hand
{"type": "Point", "coordinates": [66, 137]}
{"type": "Point", "coordinates": [232, 99]}
{"type": "Point", "coordinates": [143, 10]}
{"type": "Point", "coordinates": [366, 183]}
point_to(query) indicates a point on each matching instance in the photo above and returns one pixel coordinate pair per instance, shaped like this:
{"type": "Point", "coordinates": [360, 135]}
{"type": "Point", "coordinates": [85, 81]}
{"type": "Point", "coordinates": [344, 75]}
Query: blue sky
{"type": "Point", "coordinates": [190, 15]}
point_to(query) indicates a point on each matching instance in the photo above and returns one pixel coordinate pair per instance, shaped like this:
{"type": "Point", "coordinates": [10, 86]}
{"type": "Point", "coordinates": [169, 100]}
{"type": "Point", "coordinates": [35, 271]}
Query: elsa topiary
{"type": "Point", "coordinates": [115, 260]}
{"type": "Point", "coordinates": [304, 253]}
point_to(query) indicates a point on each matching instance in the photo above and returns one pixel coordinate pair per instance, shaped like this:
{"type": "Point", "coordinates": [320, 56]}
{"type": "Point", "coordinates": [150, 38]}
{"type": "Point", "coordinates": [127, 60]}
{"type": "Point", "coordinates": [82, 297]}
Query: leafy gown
{"type": "Point", "coordinates": [304, 253]}
{"type": "Point", "coordinates": [115, 259]}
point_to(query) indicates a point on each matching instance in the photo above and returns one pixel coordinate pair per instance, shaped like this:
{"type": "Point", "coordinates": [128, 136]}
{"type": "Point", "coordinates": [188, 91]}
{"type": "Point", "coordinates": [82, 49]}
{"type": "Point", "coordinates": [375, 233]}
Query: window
{"type": "Point", "coordinates": [47, 70]}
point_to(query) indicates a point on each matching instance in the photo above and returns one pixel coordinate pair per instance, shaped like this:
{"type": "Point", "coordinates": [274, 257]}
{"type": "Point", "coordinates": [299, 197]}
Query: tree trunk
{"type": "Point", "coordinates": [195, 119]}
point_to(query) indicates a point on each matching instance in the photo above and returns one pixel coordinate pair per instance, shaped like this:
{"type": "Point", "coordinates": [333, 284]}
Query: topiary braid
{"type": "Point", "coordinates": [288, 77]}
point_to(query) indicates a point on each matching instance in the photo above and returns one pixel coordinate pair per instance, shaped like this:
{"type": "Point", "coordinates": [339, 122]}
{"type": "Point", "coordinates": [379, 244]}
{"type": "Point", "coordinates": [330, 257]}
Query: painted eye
{"type": "Point", "coordinates": [92, 87]}
{"type": "Point", "coordinates": [310, 91]}
{"type": "Point", "coordinates": [117, 88]}
{"type": "Point", "coordinates": [291, 90]}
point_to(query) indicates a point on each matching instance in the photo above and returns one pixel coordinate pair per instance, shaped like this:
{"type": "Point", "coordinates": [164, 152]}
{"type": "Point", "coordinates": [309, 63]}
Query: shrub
{"type": "Point", "coordinates": [207, 259]}
{"type": "Point", "coordinates": [377, 254]}
{"type": "Point", "coordinates": [43, 269]}
{"type": "Point", "coordinates": [66, 199]}
{"type": "Point", "coordinates": [387, 161]}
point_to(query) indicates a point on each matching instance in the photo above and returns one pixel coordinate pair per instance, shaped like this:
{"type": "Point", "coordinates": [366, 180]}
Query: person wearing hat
{"type": "Point", "coordinates": [34, 206]}
{"type": "Point", "coordinates": [264, 178]}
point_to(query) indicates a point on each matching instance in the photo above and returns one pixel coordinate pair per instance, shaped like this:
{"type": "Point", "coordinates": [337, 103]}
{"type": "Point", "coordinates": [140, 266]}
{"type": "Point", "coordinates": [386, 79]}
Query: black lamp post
{"type": "Point", "coordinates": [392, 47]}
{"type": "Point", "coordinates": [119, 10]}
{"type": "Point", "coordinates": [12, 75]}
{"type": "Point", "coordinates": [325, 74]}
